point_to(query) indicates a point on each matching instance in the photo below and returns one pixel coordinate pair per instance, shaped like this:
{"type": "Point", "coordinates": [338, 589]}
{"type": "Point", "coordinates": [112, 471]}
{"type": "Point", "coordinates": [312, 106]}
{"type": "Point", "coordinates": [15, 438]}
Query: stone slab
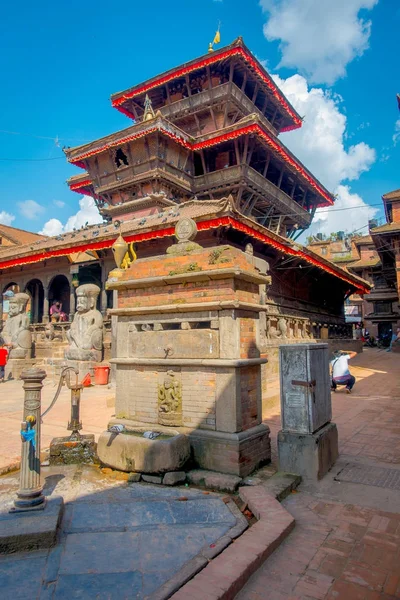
{"type": "Point", "coordinates": [281, 484]}
{"type": "Point", "coordinates": [174, 478]}
{"type": "Point", "coordinates": [30, 530]}
{"type": "Point", "coordinates": [215, 481]}
{"type": "Point", "coordinates": [308, 455]}
{"type": "Point", "coordinates": [152, 478]}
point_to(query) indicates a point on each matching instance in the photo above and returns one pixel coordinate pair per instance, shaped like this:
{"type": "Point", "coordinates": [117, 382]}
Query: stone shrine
{"type": "Point", "coordinates": [187, 350]}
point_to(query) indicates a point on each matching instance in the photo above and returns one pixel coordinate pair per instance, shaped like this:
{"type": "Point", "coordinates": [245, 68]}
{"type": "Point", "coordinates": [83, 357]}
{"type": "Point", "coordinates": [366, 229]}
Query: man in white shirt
{"type": "Point", "coordinates": [340, 370]}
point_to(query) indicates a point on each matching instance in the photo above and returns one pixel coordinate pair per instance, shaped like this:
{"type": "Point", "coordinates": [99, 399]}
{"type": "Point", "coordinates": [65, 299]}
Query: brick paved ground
{"type": "Point", "coordinates": [95, 412]}
{"type": "Point", "coordinates": [346, 543]}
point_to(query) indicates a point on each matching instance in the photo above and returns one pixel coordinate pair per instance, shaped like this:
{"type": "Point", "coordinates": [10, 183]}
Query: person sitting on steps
{"type": "Point", "coordinates": [340, 370]}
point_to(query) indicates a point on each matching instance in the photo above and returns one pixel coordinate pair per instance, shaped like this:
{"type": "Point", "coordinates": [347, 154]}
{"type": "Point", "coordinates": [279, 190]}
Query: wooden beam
{"type": "Point", "coordinates": [280, 178]}
{"type": "Point", "coordinates": [245, 207]}
{"type": "Point", "coordinates": [245, 149]}
{"type": "Point", "coordinates": [256, 88]}
{"type": "Point", "coordinates": [168, 96]}
{"type": "Point", "coordinates": [213, 117]}
{"type": "Point", "coordinates": [203, 162]}
{"type": "Point", "coordinates": [251, 150]}
{"type": "Point", "coordinates": [267, 164]}
{"type": "Point", "coordinates": [265, 104]}
{"type": "Point", "coordinates": [237, 153]}
{"type": "Point", "coordinates": [292, 190]}
{"type": "Point", "coordinates": [274, 115]}
{"type": "Point", "coordinates": [244, 81]}
{"type": "Point", "coordinates": [231, 70]}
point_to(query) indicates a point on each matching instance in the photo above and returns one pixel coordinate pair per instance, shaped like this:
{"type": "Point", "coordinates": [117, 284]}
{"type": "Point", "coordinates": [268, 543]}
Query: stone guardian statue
{"type": "Point", "coordinates": [86, 334]}
{"type": "Point", "coordinates": [16, 332]}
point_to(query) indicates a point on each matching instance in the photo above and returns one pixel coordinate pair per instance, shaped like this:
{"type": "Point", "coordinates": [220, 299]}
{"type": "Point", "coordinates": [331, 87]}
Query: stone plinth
{"type": "Point", "coordinates": [187, 353]}
{"type": "Point", "coordinates": [64, 451]}
{"type": "Point", "coordinates": [15, 366]}
{"type": "Point", "coordinates": [31, 530]}
{"type": "Point", "coordinates": [310, 455]}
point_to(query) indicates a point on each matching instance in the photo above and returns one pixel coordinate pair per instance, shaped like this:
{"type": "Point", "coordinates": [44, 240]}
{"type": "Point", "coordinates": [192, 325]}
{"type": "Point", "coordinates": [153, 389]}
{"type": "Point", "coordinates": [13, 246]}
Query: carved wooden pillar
{"type": "Point", "coordinates": [71, 302]}
{"type": "Point", "coordinates": [46, 307]}
{"type": "Point", "coordinates": [103, 293]}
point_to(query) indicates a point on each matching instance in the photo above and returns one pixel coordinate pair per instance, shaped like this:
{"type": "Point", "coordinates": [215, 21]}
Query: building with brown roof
{"type": "Point", "coordinates": [379, 310]}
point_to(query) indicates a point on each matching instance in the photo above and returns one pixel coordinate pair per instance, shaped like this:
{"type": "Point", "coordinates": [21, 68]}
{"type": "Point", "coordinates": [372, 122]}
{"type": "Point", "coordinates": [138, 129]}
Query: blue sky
{"type": "Point", "coordinates": [60, 62]}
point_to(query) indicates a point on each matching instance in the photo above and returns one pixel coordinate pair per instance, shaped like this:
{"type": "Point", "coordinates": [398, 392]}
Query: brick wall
{"type": "Point", "coordinates": [250, 390]}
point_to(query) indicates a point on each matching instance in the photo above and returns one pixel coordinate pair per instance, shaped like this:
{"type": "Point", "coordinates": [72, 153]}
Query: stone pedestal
{"type": "Point", "coordinates": [15, 366]}
{"type": "Point", "coordinates": [308, 442]}
{"type": "Point", "coordinates": [31, 530]}
{"type": "Point", "coordinates": [187, 353]}
{"type": "Point", "coordinates": [308, 455]}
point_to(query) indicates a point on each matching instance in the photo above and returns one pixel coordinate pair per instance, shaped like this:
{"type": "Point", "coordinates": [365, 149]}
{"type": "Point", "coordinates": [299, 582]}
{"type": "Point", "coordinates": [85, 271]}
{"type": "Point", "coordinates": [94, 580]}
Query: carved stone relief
{"type": "Point", "coordinates": [170, 400]}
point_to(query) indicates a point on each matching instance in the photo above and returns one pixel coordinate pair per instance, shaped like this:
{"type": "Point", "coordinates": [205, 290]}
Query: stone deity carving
{"type": "Point", "coordinates": [86, 334]}
{"type": "Point", "coordinates": [170, 400]}
{"type": "Point", "coordinates": [16, 333]}
{"type": "Point", "coordinates": [282, 327]}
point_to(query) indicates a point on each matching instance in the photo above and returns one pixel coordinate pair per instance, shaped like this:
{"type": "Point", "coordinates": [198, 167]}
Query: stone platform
{"type": "Point", "coordinates": [119, 540]}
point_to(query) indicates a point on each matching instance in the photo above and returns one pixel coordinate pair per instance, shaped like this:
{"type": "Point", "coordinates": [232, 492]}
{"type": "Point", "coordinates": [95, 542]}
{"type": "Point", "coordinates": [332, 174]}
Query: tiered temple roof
{"type": "Point", "coordinates": [212, 129]}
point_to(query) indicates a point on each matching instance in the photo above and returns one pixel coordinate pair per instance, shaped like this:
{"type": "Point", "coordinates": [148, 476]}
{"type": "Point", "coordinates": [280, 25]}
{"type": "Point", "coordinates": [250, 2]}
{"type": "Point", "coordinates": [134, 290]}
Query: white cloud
{"type": "Point", "coordinates": [348, 220]}
{"type": "Point", "coordinates": [52, 227]}
{"type": "Point", "coordinates": [6, 218]}
{"type": "Point", "coordinates": [59, 203]}
{"type": "Point", "coordinates": [30, 209]}
{"type": "Point", "coordinates": [318, 37]}
{"type": "Point", "coordinates": [396, 135]}
{"type": "Point", "coordinates": [86, 215]}
{"type": "Point", "coordinates": [320, 145]}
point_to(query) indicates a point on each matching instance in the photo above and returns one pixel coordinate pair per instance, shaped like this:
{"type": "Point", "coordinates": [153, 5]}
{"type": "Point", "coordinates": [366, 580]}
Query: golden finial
{"type": "Point", "coordinates": [148, 110]}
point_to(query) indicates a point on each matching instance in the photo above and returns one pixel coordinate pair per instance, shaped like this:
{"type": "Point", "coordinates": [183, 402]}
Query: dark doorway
{"type": "Point", "coordinates": [59, 291]}
{"type": "Point", "coordinates": [384, 330]}
{"type": "Point", "coordinates": [91, 273]}
{"type": "Point", "coordinates": [35, 306]}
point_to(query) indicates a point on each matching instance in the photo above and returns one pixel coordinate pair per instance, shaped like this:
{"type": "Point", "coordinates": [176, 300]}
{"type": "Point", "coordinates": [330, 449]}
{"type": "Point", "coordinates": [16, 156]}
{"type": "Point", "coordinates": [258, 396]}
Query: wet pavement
{"type": "Point", "coordinates": [118, 540]}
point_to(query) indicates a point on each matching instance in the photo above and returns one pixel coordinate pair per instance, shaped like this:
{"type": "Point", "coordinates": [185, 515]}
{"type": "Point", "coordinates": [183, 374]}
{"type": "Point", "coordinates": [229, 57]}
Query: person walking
{"type": "Point", "coordinates": [340, 370]}
{"type": "Point", "coordinates": [3, 360]}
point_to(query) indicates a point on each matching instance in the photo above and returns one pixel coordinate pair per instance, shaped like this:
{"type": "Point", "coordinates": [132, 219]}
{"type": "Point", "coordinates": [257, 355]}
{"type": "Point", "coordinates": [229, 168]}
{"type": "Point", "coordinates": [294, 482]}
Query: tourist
{"type": "Point", "coordinates": [56, 312]}
{"type": "Point", "coordinates": [3, 359]}
{"type": "Point", "coordinates": [340, 370]}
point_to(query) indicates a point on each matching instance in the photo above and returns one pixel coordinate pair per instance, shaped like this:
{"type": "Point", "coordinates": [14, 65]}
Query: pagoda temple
{"type": "Point", "coordinates": [203, 143]}
{"type": "Point", "coordinates": [206, 129]}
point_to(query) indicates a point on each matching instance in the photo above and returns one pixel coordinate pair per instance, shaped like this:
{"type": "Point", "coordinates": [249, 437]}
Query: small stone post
{"type": "Point", "coordinates": [30, 489]}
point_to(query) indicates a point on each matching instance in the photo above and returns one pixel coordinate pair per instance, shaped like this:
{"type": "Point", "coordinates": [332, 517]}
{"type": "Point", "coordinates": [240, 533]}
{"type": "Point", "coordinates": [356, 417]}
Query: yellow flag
{"type": "Point", "coordinates": [217, 38]}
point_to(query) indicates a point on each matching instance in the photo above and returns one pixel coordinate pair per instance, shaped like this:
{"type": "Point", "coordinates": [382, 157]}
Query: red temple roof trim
{"type": "Point", "coordinates": [276, 146]}
{"type": "Point", "coordinates": [224, 221]}
{"type": "Point", "coordinates": [81, 187]}
{"type": "Point", "coordinates": [128, 138]}
{"type": "Point", "coordinates": [204, 62]}
{"type": "Point", "coordinates": [213, 141]}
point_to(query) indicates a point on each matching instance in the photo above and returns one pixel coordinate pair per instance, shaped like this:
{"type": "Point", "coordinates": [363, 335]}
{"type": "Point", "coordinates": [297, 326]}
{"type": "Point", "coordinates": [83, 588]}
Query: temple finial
{"type": "Point", "coordinates": [148, 110]}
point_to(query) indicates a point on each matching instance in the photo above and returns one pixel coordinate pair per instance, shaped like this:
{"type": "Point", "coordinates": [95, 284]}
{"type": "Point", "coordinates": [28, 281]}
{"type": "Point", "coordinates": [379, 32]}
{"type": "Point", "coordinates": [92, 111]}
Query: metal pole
{"type": "Point", "coordinates": [29, 495]}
